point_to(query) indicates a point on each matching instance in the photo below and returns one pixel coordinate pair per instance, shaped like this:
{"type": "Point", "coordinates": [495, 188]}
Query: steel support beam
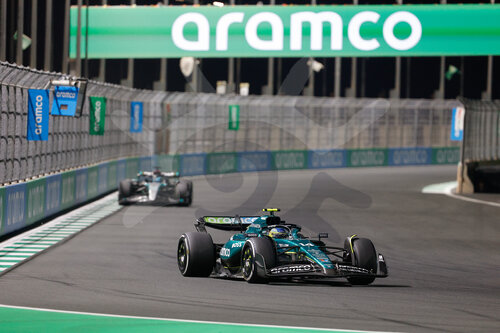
{"type": "Point", "coordinates": [129, 80]}
{"type": "Point", "coordinates": [338, 70]}
{"type": "Point", "coordinates": [65, 58]}
{"type": "Point", "coordinates": [48, 35]}
{"type": "Point", "coordinates": [3, 30]}
{"type": "Point", "coordinates": [78, 61]}
{"type": "Point", "coordinates": [20, 32]}
{"type": "Point", "coordinates": [34, 31]}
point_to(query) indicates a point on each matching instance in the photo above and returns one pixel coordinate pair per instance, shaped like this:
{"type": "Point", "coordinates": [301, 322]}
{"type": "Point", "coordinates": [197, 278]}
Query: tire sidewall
{"type": "Point", "coordinates": [264, 247]}
{"type": "Point", "coordinates": [200, 256]}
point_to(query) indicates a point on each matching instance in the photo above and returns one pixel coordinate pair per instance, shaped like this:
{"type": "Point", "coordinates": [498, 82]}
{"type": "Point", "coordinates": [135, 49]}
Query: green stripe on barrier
{"type": "Point", "coordinates": [289, 159]}
{"type": "Point", "coordinates": [168, 163]}
{"type": "Point", "coordinates": [27, 320]}
{"type": "Point", "coordinates": [68, 189]}
{"type": "Point", "coordinates": [132, 167]}
{"type": "Point", "coordinates": [112, 175]}
{"type": "Point", "coordinates": [367, 157]}
{"type": "Point", "coordinates": [217, 163]}
{"type": "Point", "coordinates": [445, 155]}
{"type": "Point", "coordinates": [92, 181]}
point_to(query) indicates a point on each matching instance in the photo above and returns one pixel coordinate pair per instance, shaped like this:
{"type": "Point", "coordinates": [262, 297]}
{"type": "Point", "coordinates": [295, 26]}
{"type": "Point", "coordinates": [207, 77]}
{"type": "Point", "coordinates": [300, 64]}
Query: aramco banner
{"type": "Point", "coordinates": [38, 115]}
{"type": "Point", "coordinates": [97, 115]}
{"type": "Point", "coordinates": [136, 109]}
{"type": "Point", "coordinates": [288, 31]}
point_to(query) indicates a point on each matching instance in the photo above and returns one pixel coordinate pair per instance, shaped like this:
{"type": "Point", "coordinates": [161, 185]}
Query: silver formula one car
{"type": "Point", "coordinates": [156, 188]}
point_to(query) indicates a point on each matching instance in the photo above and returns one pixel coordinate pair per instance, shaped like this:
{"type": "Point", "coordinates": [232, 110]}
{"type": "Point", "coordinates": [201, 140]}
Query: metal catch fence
{"type": "Point", "coordinates": [69, 144]}
{"type": "Point", "coordinates": [178, 123]}
{"type": "Point", "coordinates": [199, 123]}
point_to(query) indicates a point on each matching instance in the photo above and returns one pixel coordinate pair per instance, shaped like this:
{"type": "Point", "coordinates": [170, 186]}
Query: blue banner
{"type": "Point", "coordinates": [81, 183]}
{"type": "Point", "coordinates": [457, 124]}
{"type": "Point", "coordinates": [146, 164]}
{"type": "Point", "coordinates": [14, 212]}
{"type": "Point", "coordinates": [121, 170]}
{"type": "Point", "coordinates": [136, 117]}
{"type": "Point", "coordinates": [53, 191]}
{"type": "Point", "coordinates": [254, 161]}
{"type": "Point", "coordinates": [38, 115]}
{"type": "Point", "coordinates": [102, 185]}
{"type": "Point", "coordinates": [65, 100]}
{"type": "Point", "coordinates": [335, 158]}
{"type": "Point", "coordinates": [410, 156]}
{"type": "Point", "coordinates": [192, 164]}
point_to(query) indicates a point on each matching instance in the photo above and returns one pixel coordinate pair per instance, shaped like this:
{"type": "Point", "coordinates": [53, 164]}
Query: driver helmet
{"type": "Point", "coordinates": [158, 179]}
{"type": "Point", "coordinates": [278, 232]}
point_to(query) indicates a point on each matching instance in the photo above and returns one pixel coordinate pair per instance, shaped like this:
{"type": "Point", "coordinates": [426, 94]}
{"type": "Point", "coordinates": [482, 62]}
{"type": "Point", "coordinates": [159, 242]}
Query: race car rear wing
{"type": "Point", "coordinates": [236, 223]}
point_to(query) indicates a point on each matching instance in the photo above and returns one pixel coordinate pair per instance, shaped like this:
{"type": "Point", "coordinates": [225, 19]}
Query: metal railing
{"type": "Point", "coordinates": [199, 123]}
{"type": "Point", "coordinates": [177, 123]}
{"type": "Point", "coordinates": [69, 144]}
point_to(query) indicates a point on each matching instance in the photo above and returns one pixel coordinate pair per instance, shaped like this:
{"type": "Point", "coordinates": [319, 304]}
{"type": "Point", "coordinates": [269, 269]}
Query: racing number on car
{"type": "Point", "coordinates": [225, 252]}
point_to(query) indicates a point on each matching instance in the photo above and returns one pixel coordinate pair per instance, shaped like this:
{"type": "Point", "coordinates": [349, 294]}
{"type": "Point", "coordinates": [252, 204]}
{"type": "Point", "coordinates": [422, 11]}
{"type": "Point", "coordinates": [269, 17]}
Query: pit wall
{"type": "Point", "coordinates": [24, 204]}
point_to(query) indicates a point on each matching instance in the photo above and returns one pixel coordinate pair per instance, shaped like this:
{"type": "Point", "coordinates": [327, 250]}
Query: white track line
{"type": "Point", "coordinates": [448, 190]}
{"type": "Point", "coordinates": [186, 321]}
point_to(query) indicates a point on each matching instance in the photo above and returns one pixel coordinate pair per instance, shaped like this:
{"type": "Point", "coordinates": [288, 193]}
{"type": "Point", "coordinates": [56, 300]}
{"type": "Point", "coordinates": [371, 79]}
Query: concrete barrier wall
{"type": "Point", "coordinates": [24, 204]}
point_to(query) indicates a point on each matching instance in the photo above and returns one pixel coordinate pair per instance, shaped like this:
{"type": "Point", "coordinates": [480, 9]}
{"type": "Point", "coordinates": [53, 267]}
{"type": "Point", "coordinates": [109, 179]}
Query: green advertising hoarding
{"type": "Point", "coordinates": [289, 159]}
{"type": "Point", "coordinates": [68, 189]}
{"type": "Point", "coordinates": [445, 155]}
{"type": "Point", "coordinates": [234, 118]}
{"type": "Point", "coordinates": [287, 31]}
{"type": "Point", "coordinates": [112, 175]}
{"type": "Point", "coordinates": [217, 163]}
{"type": "Point", "coordinates": [92, 182]}
{"type": "Point", "coordinates": [367, 157]}
{"type": "Point", "coordinates": [97, 115]}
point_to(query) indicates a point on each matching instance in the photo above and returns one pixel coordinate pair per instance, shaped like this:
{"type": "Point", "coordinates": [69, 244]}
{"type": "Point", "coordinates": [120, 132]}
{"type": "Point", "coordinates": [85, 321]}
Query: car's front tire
{"type": "Point", "coordinates": [195, 254]}
{"type": "Point", "coordinates": [257, 246]}
{"type": "Point", "coordinates": [365, 257]}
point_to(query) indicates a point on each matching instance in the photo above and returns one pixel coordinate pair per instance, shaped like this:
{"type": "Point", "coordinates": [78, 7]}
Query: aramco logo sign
{"type": "Point", "coordinates": [316, 21]}
{"type": "Point", "coordinates": [288, 31]}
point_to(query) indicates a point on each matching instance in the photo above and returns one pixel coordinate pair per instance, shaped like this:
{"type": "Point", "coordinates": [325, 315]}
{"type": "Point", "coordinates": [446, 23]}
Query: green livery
{"type": "Point", "coordinates": [267, 248]}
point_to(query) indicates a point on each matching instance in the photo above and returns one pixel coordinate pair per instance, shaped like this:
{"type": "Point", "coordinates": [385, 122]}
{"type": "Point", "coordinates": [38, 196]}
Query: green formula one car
{"type": "Point", "coordinates": [268, 248]}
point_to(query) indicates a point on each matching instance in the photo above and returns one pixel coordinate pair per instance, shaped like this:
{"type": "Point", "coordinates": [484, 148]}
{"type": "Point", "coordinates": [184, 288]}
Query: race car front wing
{"type": "Point", "coordinates": [312, 270]}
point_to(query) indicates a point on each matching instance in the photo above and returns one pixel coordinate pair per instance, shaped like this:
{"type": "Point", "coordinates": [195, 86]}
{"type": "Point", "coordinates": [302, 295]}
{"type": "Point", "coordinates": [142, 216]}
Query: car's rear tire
{"type": "Point", "coordinates": [262, 246]}
{"type": "Point", "coordinates": [195, 254]}
{"type": "Point", "coordinates": [365, 257]}
{"type": "Point", "coordinates": [124, 189]}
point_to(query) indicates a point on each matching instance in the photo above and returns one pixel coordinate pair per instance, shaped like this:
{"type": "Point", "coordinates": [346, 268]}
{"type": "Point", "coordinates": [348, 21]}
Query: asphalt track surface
{"type": "Point", "coordinates": [443, 256]}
